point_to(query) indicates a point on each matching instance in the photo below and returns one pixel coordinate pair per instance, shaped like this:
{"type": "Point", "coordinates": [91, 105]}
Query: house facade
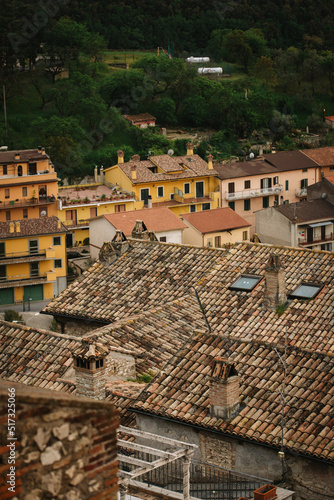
{"type": "Point", "coordinates": [183, 184]}
{"type": "Point", "coordinates": [28, 185]}
{"type": "Point", "coordinates": [215, 228]}
{"type": "Point", "coordinates": [33, 262]}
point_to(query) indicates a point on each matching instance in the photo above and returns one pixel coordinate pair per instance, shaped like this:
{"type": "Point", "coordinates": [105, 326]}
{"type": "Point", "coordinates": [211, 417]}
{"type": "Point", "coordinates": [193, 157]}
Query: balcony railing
{"type": "Point", "coordinates": [27, 202]}
{"type": "Point", "coordinates": [25, 279]}
{"type": "Point", "coordinates": [28, 256]}
{"type": "Point", "coordinates": [73, 224]}
{"type": "Point", "coordinates": [301, 193]}
{"type": "Point", "coordinates": [315, 241]}
{"type": "Point", "coordinates": [254, 193]}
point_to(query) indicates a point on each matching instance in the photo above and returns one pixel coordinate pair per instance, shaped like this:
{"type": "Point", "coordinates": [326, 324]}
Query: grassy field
{"type": "Point", "coordinates": [116, 57]}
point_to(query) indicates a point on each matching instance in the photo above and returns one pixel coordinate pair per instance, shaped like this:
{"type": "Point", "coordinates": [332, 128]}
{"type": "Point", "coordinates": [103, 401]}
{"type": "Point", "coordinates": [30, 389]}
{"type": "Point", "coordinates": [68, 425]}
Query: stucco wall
{"type": "Point", "coordinates": [272, 227]}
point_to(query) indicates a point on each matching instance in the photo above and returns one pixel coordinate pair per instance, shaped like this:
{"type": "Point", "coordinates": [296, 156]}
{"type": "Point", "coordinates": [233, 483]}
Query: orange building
{"type": "Point", "coordinates": [28, 185]}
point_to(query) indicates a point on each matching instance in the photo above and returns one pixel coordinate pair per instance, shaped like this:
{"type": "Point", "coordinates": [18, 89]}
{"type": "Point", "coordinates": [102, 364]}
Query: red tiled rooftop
{"type": "Point", "coordinates": [322, 156]}
{"type": "Point", "coordinates": [32, 227]}
{"type": "Point", "coordinates": [218, 219]}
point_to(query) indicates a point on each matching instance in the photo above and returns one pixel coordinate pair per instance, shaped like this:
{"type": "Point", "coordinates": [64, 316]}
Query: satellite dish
{"type": "Point", "coordinates": [170, 152]}
{"type": "Point", "coordinates": [251, 155]}
{"type": "Point", "coordinates": [324, 195]}
{"type": "Point", "coordinates": [43, 213]}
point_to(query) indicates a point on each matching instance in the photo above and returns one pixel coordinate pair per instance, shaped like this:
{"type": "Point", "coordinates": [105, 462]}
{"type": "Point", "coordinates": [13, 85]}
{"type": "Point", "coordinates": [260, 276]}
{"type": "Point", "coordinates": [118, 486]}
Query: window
{"type": "Point", "coordinates": [206, 206]}
{"type": "Point", "coordinates": [303, 183]}
{"type": "Point", "coordinates": [245, 282]}
{"type": "Point", "coordinates": [163, 239]}
{"type": "Point", "coordinates": [8, 215]}
{"type": "Point", "coordinates": [186, 188]}
{"type": "Point", "coordinates": [56, 241]}
{"type": "Point", "coordinates": [266, 183]}
{"type": "Point", "coordinates": [265, 202]}
{"type": "Point", "coordinates": [92, 212]}
{"type": "Point", "coordinates": [58, 263]}
{"type": "Point", "coordinates": [2, 249]}
{"type": "Point", "coordinates": [231, 204]}
{"type": "Point", "coordinates": [247, 205]}
{"type": "Point", "coordinates": [34, 269]}
{"type": "Point", "coordinates": [276, 180]}
{"type": "Point", "coordinates": [247, 184]}
{"type": "Point", "coordinates": [120, 208]}
{"type": "Point", "coordinates": [245, 235]}
{"type": "Point", "coordinates": [304, 170]}
{"type": "Point", "coordinates": [3, 273]}
{"type": "Point", "coordinates": [218, 242]}
{"type": "Point", "coordinates": [306, 291]}
{"type": "Point", "coordinates": [231, 187]}
{"type": "Point", "coordinates": [192, 208]}
{"type": "Point", "coordinates": [286, 185]}
{"type": "Point", "coordinates": [25, 213]}
{"type": "Point", "coordinates": [171, 196]}
{"type": "Point", "coordinates": [33, 247]}
{"type": "Point", "coordinates": [71, 215]}
{"type": "Point", "coordinates": [32, 168]}
{"type": "Point", "coordinates": [4, 170]}
{"type": "Point", "coordinates": [7, 193]}
{"type": "Point", "coordinates": [199, 189]}
{"type": "Point", "coordinates": [144, 194]}
{"type": "Point", "coordinates": [42, 192]}
{"type": "Point", "coordinates": [19, 171]}
{"type": "Point", "coordinates": [24, 191]}
{"type": "Point", "coordinates": [160, 192]}
{"type": "Point", "coordinates": [276, 201]}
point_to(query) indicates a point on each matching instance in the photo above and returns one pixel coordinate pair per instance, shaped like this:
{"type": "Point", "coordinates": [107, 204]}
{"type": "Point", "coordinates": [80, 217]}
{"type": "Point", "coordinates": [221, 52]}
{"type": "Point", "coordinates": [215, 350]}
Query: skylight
{"type": "Point", "coordinates": [246, 282]}
{"type": "Point", "coordinates": [306, 291]}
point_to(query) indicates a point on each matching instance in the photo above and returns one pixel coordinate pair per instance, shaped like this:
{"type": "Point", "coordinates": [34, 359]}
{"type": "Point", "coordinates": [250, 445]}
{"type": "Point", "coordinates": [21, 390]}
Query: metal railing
{"type": "Point", "coordinates": [301, 193]}
{"type": "Point", "coordinates": [27, 202]}
{"type": "Point", "coordinates": [73, 223]}
{"type": "Point", "coordinates": [254, 193]}
{"type": "Point", "coordinates": [22, 255]}
{"type": "Point", "coordinates": [24, 277]}
{"type": "Point", "coordinates": [303, 241]}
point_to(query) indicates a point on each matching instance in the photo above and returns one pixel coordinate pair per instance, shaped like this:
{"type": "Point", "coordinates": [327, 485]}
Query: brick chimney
{"type": "Point", "coordinates": [224, 391]}
{"type": "Point", "coordinates": [190, 149]}
{"type": "Point", "coordinates": [90, 369]}
{"type": "Point", "coordinates": [107, 254]}
{"type": "Point", "coordinates": [120, 156]}
{"type": "Point", "coordinates": [134, 172]}
{"type": "Point", "coordinates": [119, 243]}
{"type": "Point", "coordinates": [275, 287]}
{"type": "Point", "coordinates": [210, 164]}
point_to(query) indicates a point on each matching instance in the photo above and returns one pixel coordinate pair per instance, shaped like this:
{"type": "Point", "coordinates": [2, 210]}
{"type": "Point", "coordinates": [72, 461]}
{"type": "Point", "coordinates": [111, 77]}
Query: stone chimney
{"type": "Point", "coordinates": [17, 156]}
{"type": "Point", "coordinates": [120, 156]}
{"type": "Point", "coordinates": [210, 164]}
{"type": "Point", "coordinates": [224, 390]}
{"type": "Point", "coordinates": [107, 254]}
{"type": "Point", "coordinates": [149, 202]}
{"type": "Point", "coordinates": [90, 369]}
{"type": "Point", "coordinates": [140, 232]}
{"type": "Point", "coordinates": [134, 172]}
{"type": "Point", "coordinates": [275, 287]}
{"type": "Point", "coordinates": [190, 149]}
{"type": "Point", "coordinates": [119, 243]}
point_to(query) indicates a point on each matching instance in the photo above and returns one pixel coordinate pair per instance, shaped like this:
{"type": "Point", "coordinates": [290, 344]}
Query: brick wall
{"type": "Point", "coordinates": [65, 448]}
{"type": "Point", "coordinates": [224, 396]}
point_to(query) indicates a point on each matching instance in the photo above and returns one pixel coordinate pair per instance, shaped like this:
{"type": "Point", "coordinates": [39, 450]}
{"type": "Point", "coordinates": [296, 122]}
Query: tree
{"type": "Point", "coordinates": [265, 68]}
{"type": "Point", "coordinates": [245, 46]}
{"type": "Point", "coordinates": [311, 68]}
{"type": "Point", "coordinates": [327, 66]}
{"type": "Point", "coordinates": [125, 89]}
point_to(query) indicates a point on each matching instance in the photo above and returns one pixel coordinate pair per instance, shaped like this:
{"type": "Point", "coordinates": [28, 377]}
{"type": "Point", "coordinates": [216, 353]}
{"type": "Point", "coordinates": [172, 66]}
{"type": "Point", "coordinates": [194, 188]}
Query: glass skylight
{"type": "Point", "coordinates": [306, 291]}
{"type": "Point", "coordinates": [245, 282]}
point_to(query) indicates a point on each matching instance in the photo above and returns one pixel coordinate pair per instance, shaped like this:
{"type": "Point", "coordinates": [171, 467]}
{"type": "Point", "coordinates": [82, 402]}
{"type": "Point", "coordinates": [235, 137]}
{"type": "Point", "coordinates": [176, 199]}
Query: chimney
{"type": "Point", "coordinates": [210, 164]}
{"type": "Point", "coordinates": [224, 389]}
{"type": "Point", "coordinates": [261, 151]}
{"type": "Point", "coordinates": [107, 254]}
{"type": "Point", "coordinates": [11, 227]}
{"type": "Point", "coordinates": [59, 224]}
{"type": "Point", "coordinates": [95, 173]}
{"type": "Point", "coordinates": [120, 156]}
{"type": "Point", "coordinates": [140, 231]}
{"type": "Point", "coordinates": [43, 151]}
{"type": "Point", "coordinates": [119, 243]}
{"type": "Point", "coordinates": [90, 369]}
{"type": "Point", "coordinates": [39, 149]}
{"type": "Point", "coordinates": [273, 150]}
{"type": "Point", "coordinates": [149, 202]}
{"type": "Point", "coordinates": [17, 156]}
{"type": "Point", "coordinates": [133, 172]}
{"type": "Point", "coordinates": [135, 158]}
{"type": "Point", "coordinates": [190, 149]}
{"type": "Point", "coordinates": [18, 226]}
{"type": "Point", "coordinates": [275, 288]}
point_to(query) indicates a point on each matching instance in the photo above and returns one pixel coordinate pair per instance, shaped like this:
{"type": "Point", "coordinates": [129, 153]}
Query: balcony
{"type": "Point", "coordinates": [315, 241]}
{"type": "Point", "coordinates": [23, 280]}
{"type": "Point", "coordinates": [27, 202]}
{"type": "Point", "coordinates": [254, 193]}
{"type": "Point", "coordinates": [73, 224]}
{"type": "Point", "coordinates": [301, 193]}
{"type": "Point", "coordinates": [19, 257]}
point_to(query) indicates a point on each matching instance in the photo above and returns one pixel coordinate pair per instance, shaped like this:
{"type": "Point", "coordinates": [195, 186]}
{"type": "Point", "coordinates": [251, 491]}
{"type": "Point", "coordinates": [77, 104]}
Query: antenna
{"type": "Point", "coordinates": [281, 453]}
{"type": "Point", "coordinates": [201, 307]}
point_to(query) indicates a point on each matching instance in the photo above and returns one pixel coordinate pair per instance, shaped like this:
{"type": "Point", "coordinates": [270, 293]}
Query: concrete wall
{"type": "Point", "coordinates": [65, 448]}
{"type": "Point", "coordinates": [311, 480]}
{"type": "Point", "coordinates": [272, 227]}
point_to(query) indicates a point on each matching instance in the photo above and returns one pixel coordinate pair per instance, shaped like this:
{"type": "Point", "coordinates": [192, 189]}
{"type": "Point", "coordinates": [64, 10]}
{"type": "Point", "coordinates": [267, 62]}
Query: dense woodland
{"type": "Point", "coordinates": [279, 55]}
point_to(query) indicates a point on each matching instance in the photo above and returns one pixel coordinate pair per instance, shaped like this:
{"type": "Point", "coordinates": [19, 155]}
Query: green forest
{"type": "Point", "coordinates": [59, 89]}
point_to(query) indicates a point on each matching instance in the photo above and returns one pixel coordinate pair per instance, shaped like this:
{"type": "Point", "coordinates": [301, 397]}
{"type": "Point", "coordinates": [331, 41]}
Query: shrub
{"type": "Point", "coordinates": [11, 316]}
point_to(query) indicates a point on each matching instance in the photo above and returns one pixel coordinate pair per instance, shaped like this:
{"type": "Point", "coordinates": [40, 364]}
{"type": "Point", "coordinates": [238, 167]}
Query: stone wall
{"type": "Point", "coordinates": [77, 328]}
{"type": "Point", "coordinates": [65, 447]}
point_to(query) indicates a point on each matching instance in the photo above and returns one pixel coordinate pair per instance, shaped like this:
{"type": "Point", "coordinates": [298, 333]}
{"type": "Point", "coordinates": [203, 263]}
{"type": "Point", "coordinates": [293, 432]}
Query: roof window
{"type": "Point", "coordinates": [246, 282]}
{"type": "Point", "coordinates": [306, 291]}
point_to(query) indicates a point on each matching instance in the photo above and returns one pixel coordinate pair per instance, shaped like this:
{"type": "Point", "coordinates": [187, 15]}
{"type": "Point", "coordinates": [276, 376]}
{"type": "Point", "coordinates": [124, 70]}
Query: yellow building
{"type": "Point", "coordinates": [77, 204]}
{"type": "Point", "coordinates": [181, 183]}
{"type": "Point", "coordinates": [33, 263]}
{"type": "Point", "coordinates": [28, 185]}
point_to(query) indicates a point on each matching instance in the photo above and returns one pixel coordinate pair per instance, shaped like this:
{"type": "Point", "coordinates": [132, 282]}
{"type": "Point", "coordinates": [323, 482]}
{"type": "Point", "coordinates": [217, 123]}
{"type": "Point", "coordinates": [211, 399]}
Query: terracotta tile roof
{"type": "Point", "coordinates": [307, 211]}
{"type": "Point", "coordinates": [155, 219]}
{"type": "Point", "coordinates": [330, 178]}
{"type": "Point", "coordinates": [322, 156]}
{"type": "Point", "coordinates": [174, 168]}
{"type": "Point", "coordinates": [26, 155]}
{"type": "Point", "coordinates": [139, 118]}
{"type": "Point", "coordinates": [32, 227]}
{"type": "Point", "coordinates": [181, 393]}
{"type": "Point", "coordinates": [244, 169]}
{"type": "Point", "coordinates": [218, 219]}
{"type": "Point", "coordinates": [151, 274]}
{"type": "Point", "coordinates": [290, 160]}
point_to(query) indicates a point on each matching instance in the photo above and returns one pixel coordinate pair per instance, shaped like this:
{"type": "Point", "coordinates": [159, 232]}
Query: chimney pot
{"type": "Point", "coordinates": [120, 156]}
{"type": "Point", "coordinates": [133, 172]}
{"type": "Point", "coordinates": [190, 149]}
{"type": "Point", "coordinates": [210, 164]}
